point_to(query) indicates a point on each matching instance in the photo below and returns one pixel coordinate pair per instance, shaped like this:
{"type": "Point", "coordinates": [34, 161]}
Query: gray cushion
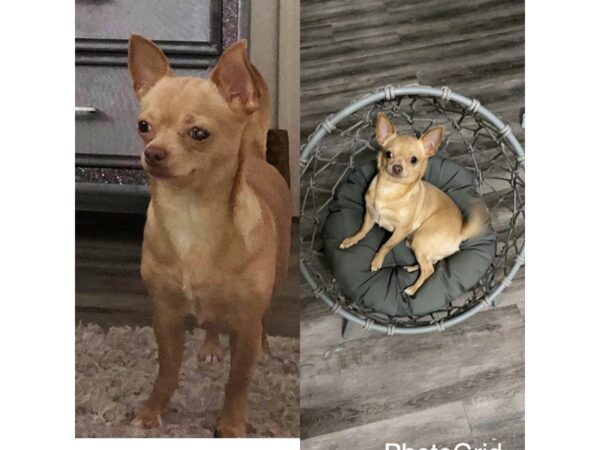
{"type": "Point", "coordinates": [383, 290]}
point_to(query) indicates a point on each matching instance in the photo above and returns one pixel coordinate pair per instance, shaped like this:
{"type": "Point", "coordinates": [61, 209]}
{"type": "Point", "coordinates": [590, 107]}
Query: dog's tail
{"type": "Point", "coordinates": [476, 222]}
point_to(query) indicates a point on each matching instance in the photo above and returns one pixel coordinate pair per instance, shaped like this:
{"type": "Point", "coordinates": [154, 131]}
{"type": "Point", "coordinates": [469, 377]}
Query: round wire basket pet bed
{"type": "Point", "coordinates": [475, 138]}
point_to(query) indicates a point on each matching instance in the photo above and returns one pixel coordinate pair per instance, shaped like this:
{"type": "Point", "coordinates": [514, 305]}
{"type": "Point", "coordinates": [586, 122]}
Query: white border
{"type": "Point", "coordinates": [562, 293]}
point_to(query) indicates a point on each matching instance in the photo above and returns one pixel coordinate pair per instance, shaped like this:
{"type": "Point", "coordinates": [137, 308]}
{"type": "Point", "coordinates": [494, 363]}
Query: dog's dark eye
{"type": "Point", "coordinates": [389, 155]}
{"type": "Point", "coordinates": [199, 134]}
{"type": "Point", "coordinates": [143, 126]}
{"type": "Point", "coordinates": [413, 160]}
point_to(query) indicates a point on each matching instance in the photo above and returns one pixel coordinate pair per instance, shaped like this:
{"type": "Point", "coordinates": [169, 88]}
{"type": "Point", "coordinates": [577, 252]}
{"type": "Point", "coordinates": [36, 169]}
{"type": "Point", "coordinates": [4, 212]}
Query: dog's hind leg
{"type": "Point", "coordinates": [245, 343]}
{"type": "Point", "coordinates": [210, 351]}
{"type": "Point", "coordinates": [265, 343]}
{"type": "Point", "coordinates": [426, 266]}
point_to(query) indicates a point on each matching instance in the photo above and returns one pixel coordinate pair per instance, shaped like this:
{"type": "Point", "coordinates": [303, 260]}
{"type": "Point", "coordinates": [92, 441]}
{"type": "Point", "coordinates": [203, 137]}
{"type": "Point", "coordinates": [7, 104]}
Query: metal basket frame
{"type": "Point", "coordinates": [389, 93]}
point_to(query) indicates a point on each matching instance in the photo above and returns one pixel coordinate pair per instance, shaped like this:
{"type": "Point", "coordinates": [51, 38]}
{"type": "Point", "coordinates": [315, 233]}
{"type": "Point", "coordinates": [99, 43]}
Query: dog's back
{"type": "Point", "coordinates": [263, 178]}
{"type": "Point", "coordinates": [274, 195]}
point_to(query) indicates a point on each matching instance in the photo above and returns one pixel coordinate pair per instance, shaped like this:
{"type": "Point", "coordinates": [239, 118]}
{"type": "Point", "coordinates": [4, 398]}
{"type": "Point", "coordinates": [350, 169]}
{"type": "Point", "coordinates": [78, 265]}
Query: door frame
{"type": "Point", "coordinates": [273, 33]}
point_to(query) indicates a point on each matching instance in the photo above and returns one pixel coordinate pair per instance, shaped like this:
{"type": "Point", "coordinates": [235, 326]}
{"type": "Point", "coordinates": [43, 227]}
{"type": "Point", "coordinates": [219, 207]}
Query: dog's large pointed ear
{"type": "Point", "coordinates": [233, 77]}
{"type": "Point", "coordinates": [384, 128]}
{"type": "Point", "coordinates": [147, 64]}
{"type": "Point", "coordinates": [432, 140]}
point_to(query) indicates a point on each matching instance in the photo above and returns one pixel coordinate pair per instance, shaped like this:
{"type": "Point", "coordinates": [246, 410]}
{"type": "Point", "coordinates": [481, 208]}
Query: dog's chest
{"type": "Point", "coordinates": [198, 250]}
{"type": "Point", "coordinates": [190, 235]}
{"type": "Point", "coordinates": [189, 229]}
{"type": "Point", "coordinates": [382, 216]}
{"type": "Point", "coordinates": [380, 213]}
{"type": "Point", "coordinates": [193, 237]}
{"type": "Point", "coordinates": [386, 212]}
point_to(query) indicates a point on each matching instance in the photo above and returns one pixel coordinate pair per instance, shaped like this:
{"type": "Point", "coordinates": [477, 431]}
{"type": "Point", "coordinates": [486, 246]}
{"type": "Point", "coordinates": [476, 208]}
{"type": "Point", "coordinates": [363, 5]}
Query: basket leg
{"type": "Point", "coordinates": [344, 327]}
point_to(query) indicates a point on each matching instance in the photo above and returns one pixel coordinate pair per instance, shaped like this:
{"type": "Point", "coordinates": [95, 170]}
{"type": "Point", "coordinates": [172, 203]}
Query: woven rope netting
{"type": "Point", "coordinates": [470, 139]}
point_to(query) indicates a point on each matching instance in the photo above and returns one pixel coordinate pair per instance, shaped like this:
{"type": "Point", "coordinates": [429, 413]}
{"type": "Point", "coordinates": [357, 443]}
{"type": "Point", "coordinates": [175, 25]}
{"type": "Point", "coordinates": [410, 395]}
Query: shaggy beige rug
{"type": "Point", "coordinates": [115, 370]}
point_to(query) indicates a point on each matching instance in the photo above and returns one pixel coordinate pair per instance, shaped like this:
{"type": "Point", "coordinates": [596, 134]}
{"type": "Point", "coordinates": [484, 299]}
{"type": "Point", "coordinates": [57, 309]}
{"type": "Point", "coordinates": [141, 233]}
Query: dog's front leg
{"type": "Point", "coordinates": [169, 330]}
{"type": "Point", "coordinates": [397, 236]}
{"type": "Point", "coordinates": [245, 344]}
{"type": "Point", "coordinates": [367, 225]}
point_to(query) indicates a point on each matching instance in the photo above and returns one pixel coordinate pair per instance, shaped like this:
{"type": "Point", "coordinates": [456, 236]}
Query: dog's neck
{"type": "Point", "coordinates": [397, 188]}
{"type": "Point", "coordinates": [221, 200]}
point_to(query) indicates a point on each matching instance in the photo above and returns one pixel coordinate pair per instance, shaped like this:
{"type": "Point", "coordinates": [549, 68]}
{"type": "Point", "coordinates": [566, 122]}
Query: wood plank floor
{"type": "Point", "coordinates": [351, 47]}
{"type": "Point", "coordinates": [369, 389]}
{"type": "Point", "coordinates": [463, 385]}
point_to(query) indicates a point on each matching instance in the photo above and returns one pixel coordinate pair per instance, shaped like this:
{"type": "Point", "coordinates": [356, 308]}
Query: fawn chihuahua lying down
{"type": "Point", "coordinates": [399, 201]}
{"type": "Point", "coordinates": [217, 234]}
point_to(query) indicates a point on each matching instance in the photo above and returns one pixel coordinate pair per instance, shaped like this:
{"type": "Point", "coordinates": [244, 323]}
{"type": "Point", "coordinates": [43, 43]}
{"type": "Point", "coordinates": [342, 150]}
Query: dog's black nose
{"type": "Point", "coordinates": [396, 169]}
{"type": "Point", "coordinates": [154, 155]}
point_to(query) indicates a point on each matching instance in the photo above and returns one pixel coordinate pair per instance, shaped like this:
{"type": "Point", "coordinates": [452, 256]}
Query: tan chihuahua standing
{"type": "Point", "coordinates": [217, 235]}
{"type": "Point", "coordinates": [410, 208]}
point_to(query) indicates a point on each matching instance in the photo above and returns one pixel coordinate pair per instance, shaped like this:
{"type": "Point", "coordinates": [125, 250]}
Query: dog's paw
{"type": "Point", "coordinates": [210, 353]}
{"type": "Point", "coordinates": [230, 430]}
{"type": "Point", "coordinates": [347, 243]}
{"type": "Point", "coordinates": [147, 419]}
{"type": "Point", "coordinates": [411, 269]}
{"type": "Point", "coordinates": [377, 263]}
{"type": "Point", "coordinates": [410, 290]}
